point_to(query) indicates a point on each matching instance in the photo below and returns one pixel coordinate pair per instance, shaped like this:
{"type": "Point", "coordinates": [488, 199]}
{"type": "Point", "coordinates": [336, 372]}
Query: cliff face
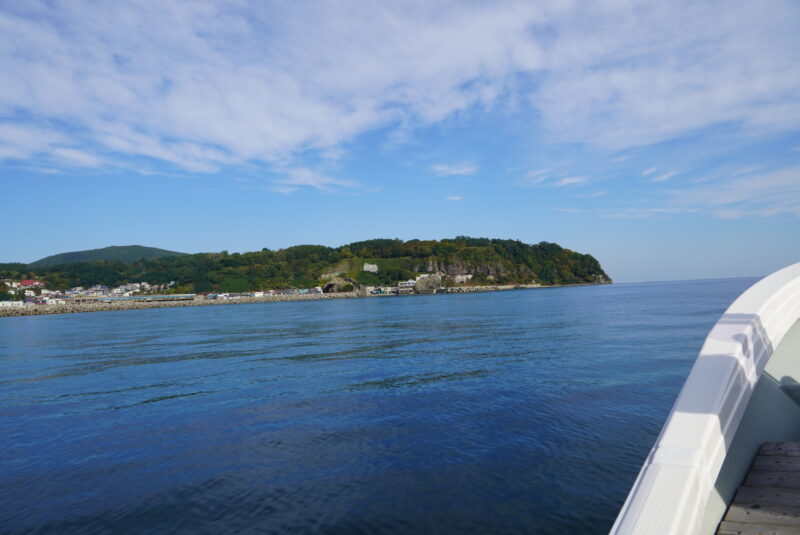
{"type": "Point", "coordinates": [458, 267]}
{"type": "Point", "coordinates": [508, 271]}
{"type": "Point", "coordinates": [477, 260]}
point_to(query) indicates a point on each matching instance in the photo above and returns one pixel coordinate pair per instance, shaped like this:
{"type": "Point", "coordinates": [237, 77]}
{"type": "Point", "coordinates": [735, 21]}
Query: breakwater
{"type": "Point", "coordinates": [71, 308]}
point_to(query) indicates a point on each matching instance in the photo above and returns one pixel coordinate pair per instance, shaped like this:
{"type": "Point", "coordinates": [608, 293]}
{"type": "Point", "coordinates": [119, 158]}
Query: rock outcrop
{"type": "Point", "coordinates": [339, 284]}
{"type": "Point", "coordinates": [428, 284]}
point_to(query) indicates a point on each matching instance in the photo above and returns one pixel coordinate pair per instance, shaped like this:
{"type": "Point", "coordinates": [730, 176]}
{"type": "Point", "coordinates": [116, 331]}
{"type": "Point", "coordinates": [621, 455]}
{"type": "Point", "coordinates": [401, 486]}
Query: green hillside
{"type": "Point", "coordinates": [126, 254]}
{"type": "Point", "coordinates": [487, 260]}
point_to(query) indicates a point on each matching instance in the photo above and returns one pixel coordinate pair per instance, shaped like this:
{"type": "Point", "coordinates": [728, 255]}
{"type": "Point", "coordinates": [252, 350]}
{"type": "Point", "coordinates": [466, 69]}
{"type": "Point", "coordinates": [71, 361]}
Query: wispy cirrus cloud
{"type": "Point", "coordinates": [756, 195]}
{"type": "Point", "coordinates": [663, 177]}
{"type": "Point", "coordinates": [544, 177]}
{"type": "Point", "coordinates": [569, 181]}
{"type": "Point", "coordinates": [24, 141]}
{"type": "Point", "coordinates": [534, 177]}
{"type": "Point", "coordinates": [459, 169]}
{"type": "Point", "coordinates": [297, 178]}
{"type": "Point", "coordinates": [640, 76]}
{"type": "Point", "coordinates": [761, 195]}
{"type": "Point", "coordinates": [594, 194]}
{"type": "Point", "coordinates": [77, 157]}
{"type": "Point", "coordinates": [454, 198]}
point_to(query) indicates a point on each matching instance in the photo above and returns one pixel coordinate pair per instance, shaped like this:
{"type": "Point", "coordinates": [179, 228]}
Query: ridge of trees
{"type": "Point", "coordinates": [489, 260]}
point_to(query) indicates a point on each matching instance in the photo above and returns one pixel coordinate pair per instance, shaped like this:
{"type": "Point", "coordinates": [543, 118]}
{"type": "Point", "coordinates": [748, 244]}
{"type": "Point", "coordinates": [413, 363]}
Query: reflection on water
{"type": "Point", "coordinates": [408, 381]}
{"type": "Point", "coordinates": [517, 412]}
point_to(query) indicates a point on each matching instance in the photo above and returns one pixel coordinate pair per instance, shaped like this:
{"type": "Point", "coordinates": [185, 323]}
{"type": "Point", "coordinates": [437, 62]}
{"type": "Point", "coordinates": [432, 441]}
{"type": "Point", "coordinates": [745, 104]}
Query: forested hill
{"type": "Point", "coordinates": [386, 261]}
{"type": "Point", "coordinates": [125, 254]}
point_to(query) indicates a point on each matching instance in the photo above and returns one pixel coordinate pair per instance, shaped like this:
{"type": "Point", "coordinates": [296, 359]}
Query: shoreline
{"type": "Point", "coordinates": [77, 308]}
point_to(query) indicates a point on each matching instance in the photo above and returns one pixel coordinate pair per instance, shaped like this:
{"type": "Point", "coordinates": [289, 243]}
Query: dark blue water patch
{"type": "Point", "coordinates": [515, 412]}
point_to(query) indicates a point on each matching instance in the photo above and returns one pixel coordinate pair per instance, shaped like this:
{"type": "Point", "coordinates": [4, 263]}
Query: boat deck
{"type": "Point", "coordinates": [768, 503]}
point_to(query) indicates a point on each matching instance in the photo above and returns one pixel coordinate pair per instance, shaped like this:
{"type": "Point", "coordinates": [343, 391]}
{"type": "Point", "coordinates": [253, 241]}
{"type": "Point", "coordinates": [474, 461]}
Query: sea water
{"type": "Point", "coordinates": [524, 411]}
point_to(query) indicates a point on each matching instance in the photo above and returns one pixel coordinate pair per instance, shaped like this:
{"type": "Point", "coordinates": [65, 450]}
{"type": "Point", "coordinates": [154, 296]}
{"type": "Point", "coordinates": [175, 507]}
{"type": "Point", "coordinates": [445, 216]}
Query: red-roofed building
{"type": "Point", "coordinates": [31, 283]}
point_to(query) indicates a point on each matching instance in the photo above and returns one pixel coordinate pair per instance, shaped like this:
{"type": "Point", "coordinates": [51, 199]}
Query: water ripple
{"type": "Point", "coordinates": [516, 412]}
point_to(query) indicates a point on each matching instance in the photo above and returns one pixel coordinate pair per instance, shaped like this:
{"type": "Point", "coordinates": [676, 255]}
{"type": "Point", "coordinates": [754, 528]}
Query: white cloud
{"type": "Point", "coordinates": [455, 169]}
{"type": "Point", "coordinates": [650, 171]}
{"type": "Point", "coordinates": [77, 157]}
{"type": "Point", "coordinates": [209, 84]}
{"type": "Point", "coordinates": [454, 198]}
{"type": "Point", "coordinates": [543, 177]}
{"type": "Point", "coordinates": [215, 83]}
{"type": "Point", "coordinates": [663, 177]}
{"type": "Point", "coordinates": [536, 176]}
{"type": "Point", "coordinates": [569, 181]}
{"type": "Point", "coordinates": [20, 141]}
{"type": "Point", "coordinates": [294, 179]}
{"type": "Point", "coordinates": [635, 74]}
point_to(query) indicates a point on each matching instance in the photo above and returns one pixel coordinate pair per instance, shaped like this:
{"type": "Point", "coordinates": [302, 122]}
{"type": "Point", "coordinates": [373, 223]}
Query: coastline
{"type": "Point", "coordinates": [76, 308]}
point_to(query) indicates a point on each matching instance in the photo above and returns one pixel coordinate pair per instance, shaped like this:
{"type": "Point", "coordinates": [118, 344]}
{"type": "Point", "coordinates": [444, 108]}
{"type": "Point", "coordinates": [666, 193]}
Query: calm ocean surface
{"type": "Point", "coordinates": [512, 412]}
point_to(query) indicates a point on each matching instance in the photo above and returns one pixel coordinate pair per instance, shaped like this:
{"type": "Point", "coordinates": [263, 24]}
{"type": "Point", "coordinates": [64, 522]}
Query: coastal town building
{"type": "Point", "coordinates": [405, 287]}
{"type": "Point", "coordinates": [32, 292]}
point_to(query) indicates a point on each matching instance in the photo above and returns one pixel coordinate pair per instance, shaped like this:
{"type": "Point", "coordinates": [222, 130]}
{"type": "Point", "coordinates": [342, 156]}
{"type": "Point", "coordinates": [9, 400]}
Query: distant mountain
{"type": "Point", "coordinates": [126, 254]}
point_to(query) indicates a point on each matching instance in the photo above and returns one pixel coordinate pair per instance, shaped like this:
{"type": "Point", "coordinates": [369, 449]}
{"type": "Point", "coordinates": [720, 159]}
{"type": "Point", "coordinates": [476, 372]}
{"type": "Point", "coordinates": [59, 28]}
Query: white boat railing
{"type": "Point", "coordinates": [670, 495]}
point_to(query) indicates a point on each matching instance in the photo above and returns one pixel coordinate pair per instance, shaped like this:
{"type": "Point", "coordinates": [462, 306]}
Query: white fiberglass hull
{"type": "Point", "coordinates": [740, 393]}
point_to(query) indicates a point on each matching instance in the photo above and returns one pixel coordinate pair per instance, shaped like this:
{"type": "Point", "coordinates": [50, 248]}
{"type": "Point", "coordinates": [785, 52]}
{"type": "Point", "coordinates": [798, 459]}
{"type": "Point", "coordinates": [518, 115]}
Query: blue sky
{"type": "Point", "coordinates": [661, 137]}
